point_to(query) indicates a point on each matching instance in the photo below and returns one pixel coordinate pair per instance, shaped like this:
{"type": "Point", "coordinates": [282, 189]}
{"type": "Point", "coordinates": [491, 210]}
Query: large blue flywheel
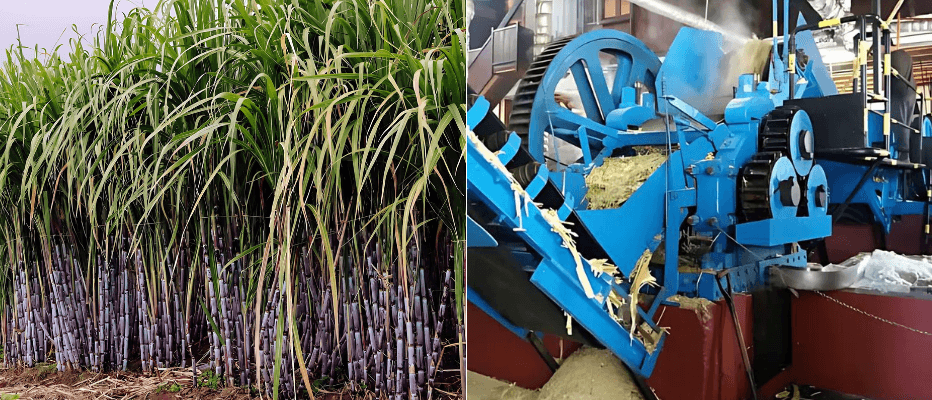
{"type": "Point", "coordinates": [536, 112]}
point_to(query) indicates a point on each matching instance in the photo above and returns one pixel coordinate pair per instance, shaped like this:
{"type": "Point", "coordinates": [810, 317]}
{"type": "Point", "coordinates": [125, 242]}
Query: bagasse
{"type": "Point", "coordinates": [612, 183]}
{"type": "Point", "coordinates": [591, 374]}
{"type": "Point", "coordinates": [587, 374]}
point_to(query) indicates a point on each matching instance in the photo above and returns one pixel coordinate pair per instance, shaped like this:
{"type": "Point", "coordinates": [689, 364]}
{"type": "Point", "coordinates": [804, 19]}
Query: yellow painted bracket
{"type": "Point", "coordinates": [865, 120]}
{"type": "Point", "coordinates": [829, 22]}
{"type": "Point", "coordinates": [886, 124]}
{"type": "Point", "coordinates": [863, 48]}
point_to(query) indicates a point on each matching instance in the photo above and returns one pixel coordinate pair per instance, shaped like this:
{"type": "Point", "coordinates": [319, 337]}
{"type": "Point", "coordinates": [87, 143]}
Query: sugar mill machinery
{"type": "Point", "coordinates": [759, 153]}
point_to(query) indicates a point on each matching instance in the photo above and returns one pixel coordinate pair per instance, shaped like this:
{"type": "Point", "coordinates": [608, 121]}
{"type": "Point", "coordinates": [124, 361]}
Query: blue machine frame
{"type": "Point", "coordinates": [697, 188]}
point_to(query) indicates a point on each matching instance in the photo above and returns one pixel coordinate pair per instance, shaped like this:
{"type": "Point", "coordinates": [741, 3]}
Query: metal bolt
{"type": "Point", "coordinates": [709, 170]}
{"type": "Point", "coordinates": [693, 219]}
{"type": "Point", "coordinates": [713, 221]}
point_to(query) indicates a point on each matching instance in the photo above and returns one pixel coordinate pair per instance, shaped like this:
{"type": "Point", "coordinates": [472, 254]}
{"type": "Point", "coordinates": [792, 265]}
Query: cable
{"type": "Point", "coordinates": [841, 209]}
{"type": "Point", "coordinates": [734, 315]}
{"type": "Point", "coordinates": [865, 313]}
{"type": "Point", "coordinates": [759, 258]}
{"type": "Point", "coordinates": [555, 160]}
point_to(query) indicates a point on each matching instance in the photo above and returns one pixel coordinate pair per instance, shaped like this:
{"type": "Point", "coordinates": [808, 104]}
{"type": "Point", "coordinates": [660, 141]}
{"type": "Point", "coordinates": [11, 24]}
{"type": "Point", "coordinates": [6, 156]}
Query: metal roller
{"type": "Point", "coordinates": [815, 197]}
{"type": "Point", "coordinates": [788, 130]}
{"type": "Point", "coordinates": [769, 188]}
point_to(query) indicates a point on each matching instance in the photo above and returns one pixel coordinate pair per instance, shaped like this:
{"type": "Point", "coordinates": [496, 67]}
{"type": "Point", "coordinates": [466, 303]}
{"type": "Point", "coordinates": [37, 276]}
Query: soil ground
{"type": "Point", "coordinates": [45, 382]}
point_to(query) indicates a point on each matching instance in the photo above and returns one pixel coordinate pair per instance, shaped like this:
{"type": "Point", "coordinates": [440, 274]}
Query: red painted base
{"type": "Point", "coordinates": [495, 351]}
{"type": "Point", "coordinates": [701, 358]}
{"type": "Point", "coordinates": [837, 348]}
{"type": "Point", "coordinates": [833, 347]}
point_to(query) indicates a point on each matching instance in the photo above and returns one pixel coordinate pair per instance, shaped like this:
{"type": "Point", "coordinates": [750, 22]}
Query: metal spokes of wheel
{"type": "Point", "coordinates": [536, 112]}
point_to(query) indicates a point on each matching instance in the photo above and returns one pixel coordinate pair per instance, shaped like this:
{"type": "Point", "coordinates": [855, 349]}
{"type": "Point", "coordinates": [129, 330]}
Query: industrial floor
{"type": "Point", "coordinates": [806, 392]}
{"type": "Point", "coordinates": [481, 387]}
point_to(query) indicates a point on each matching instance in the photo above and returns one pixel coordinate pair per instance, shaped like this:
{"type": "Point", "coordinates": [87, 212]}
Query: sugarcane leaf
{"type": "Point", "coordinates": [210, 320]}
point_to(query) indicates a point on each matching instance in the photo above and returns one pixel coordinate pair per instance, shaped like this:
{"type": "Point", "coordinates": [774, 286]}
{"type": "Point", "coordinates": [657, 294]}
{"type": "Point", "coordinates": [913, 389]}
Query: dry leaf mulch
{"type": "Point", "coordinates": [44, 382]}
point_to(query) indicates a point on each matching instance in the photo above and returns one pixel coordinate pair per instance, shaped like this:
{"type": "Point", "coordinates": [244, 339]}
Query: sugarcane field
{"type": "Point", "coordinates": [232, 199]}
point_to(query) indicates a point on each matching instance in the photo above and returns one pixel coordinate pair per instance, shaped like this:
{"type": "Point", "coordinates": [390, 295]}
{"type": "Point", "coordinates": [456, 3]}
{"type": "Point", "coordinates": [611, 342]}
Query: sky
{"type": "Point", "coordinates": [47, 22]}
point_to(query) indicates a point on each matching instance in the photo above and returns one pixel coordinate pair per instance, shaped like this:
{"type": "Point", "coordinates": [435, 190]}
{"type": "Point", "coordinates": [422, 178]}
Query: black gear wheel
{"type": "Point", "coordinates": [519, 120]}
{"type": "Point", "coordinates": [754, 187]}
{"type": "Point", "coordinates": [775, 133]}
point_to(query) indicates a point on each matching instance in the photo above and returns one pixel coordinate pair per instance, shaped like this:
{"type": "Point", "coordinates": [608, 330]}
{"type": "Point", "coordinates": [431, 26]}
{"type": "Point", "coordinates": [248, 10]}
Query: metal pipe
{"type": "Point", "coordinates": [773, 57]}
{"type": "Point", "coordinates": [898, 30]}
{"type": "Point", "coordinates": [875, 32]}
{"type": "Point", "coordinates": [896, 9]}
{"type": "Point", "coordinates": [887, 68]}
{"type": "Point", "coordinates": [786, 31]}
{"type": "Point", "coordinates": [689, 19]}
{"type": "Point", "coordinates": [862, 29]}
{"type": "Point", "coordinates": [791, 63]}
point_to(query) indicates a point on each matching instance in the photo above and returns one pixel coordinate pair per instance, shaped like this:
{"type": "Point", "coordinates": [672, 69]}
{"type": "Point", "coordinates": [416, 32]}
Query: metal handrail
{"type": "Point", "coordinates": [507, 20]}
{"type": "Point", "coordinates": [836, 21]}
{"type": "Point", "coordinates": [881, 48]}
{"type": "Point", "coordinates": [510, 15]}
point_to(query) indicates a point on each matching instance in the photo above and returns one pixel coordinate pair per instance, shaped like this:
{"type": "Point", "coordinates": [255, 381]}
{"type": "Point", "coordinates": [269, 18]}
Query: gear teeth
{"type": "Point", "coordinates": [519, 120]}
{"type": "Point", "coordinates": [754, 178]}
{"type": "Point", "coordinates": [774, 132]}
{"type": "Point", "coordinates": [524, 174]}
{"type": "Point", "coordinates": [494, 142]}
{"type": "Point", "coordinates": [754, 186]}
